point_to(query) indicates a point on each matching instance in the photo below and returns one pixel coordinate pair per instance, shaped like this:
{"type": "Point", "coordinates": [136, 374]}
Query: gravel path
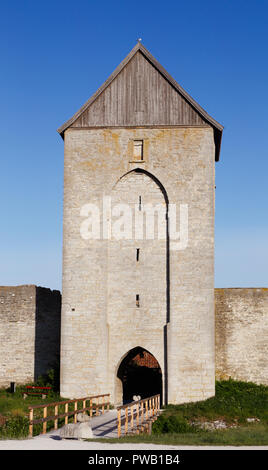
{"type": "Point", "coordinates": [52, 443]}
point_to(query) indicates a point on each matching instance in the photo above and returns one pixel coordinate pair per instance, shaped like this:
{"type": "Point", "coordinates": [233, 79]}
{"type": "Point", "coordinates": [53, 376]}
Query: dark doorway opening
{"type": "Point", "coordinates": [140, 374]}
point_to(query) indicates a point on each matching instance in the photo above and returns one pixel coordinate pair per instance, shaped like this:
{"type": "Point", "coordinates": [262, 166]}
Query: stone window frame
{"type": "Point", "coordinates": [145, 153]}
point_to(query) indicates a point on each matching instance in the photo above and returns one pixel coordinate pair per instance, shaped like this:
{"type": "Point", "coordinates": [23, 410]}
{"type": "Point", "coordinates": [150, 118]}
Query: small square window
{"type": "Point", "coordinates": [138, 150]}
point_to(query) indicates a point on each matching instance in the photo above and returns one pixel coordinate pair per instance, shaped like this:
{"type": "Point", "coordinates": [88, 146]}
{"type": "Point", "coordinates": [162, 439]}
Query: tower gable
{"type": "Point", "coordinates": [141, 93]}
{"type": "Point", "coordinates": [139, 96]}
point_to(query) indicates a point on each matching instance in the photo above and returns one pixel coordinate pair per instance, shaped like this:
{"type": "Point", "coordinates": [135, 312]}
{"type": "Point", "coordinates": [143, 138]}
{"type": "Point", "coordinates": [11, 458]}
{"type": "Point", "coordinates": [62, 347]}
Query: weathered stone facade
{"type": "Point", "coordinates": [100, 322]}
{"type": "Point", "coordinates": [29, 332]}
{"type": "Point", "coordinates": [242, 334]}
{"type": "Point", "coordinates": [164, 303]}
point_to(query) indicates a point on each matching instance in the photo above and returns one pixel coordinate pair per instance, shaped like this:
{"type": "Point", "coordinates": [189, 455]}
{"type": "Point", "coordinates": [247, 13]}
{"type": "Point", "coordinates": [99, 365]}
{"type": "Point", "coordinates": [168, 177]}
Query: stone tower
{"type": "Point", "coordinates": [140, 144]}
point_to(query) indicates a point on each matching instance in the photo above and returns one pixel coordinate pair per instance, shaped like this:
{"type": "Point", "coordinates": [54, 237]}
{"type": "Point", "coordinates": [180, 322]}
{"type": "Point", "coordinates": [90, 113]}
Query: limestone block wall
{"type": "Point", "coordinates": [29, 332]}
{"type": "Point", "coordinates": [183, 160]}
{"type": "Point", "coordinates": [242, 334]}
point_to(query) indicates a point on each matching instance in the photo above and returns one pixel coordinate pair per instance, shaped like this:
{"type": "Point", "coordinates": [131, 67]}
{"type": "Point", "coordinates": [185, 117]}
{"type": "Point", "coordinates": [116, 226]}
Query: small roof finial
{"type": "Point", "coordinates": [139, 39]}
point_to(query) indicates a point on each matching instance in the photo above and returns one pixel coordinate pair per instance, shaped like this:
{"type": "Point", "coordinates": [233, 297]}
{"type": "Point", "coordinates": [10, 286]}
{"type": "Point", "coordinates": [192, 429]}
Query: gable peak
{"type": "Point", "coordinates": [199, 115]}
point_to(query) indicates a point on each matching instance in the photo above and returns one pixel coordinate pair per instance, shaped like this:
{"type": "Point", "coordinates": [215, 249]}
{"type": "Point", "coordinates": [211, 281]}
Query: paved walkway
{"type": "Point", "coordinates": [50, 442]}
{"type": "Point", "coordinates": [105, 425]}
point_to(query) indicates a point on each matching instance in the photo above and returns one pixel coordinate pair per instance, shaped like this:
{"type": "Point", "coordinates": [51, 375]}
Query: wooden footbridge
{"type": "Point", "coordinates": [133, 418]}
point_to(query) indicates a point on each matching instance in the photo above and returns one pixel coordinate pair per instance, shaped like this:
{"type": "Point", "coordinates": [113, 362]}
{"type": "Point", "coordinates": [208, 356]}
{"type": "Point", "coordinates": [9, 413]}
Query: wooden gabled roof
{"type": "Point", "coordinates": [140, 92]}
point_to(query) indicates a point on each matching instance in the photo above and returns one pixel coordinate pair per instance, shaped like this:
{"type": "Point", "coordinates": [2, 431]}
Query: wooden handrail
{"type": "Point", "coordinates": [68, 401]}
{"type": "Point", "coordinates": [143, 400]}
{"type": "Point", "coordinates": [56, 416]}
{"type": "Point", "coordinates": [144, 412]}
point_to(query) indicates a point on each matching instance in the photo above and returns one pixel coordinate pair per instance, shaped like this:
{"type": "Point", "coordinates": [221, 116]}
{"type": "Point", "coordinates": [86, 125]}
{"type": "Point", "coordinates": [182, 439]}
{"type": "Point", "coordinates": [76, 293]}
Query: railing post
{"type": "Point", "coordinates": [132, 417]}
{"type": "Point", "coordinates": [108, 403]}
{"type": "Point", "coordinates": [142, 412]}
{"type": "Point", "coordinates": [30, 420]}
{"type": "Point", "coordinates": [75, 414]}
{"type": "Point", "coordinates": [97, 407]}
{"type": "Point", "coordinates": [103, 401]}
{"type": "Point", "coordinates": [126, 420]}
{"type": "Point", "coordinates": [90, 408]}
{"type": "Point", "coordinates": [119, 423]}
{"type": "Point", "coordinates": [45, 423]}
{"type": "Point", "coordinates": [138, 414]}
{"type": "Point", "coordinates": [56, 419]}
{"type": "Point", "coordinates": [66, 411]}
{"type": "Point", "coordinates": [146, 410]}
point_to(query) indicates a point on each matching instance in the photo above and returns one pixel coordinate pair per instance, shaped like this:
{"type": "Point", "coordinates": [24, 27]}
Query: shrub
{"type": "Point", "coordinates": [172, 424]}
{"type": "Point", "coordinates": [50, 379]}
{"type": "Point", "coordinates": [15, 427]}
{"type": "Point", "coordinates": [17, 412]}
{"type": "Point", "coordinates": [3, 420]}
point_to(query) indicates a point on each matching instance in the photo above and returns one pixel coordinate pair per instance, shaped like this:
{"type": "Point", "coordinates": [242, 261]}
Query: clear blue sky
{"type": "Point", "coordinates": [55, 54]}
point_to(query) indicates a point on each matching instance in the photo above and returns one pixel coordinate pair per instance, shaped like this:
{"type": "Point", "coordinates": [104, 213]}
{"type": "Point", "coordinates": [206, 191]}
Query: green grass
{"type": "Point", "coordinates": [14, 412]}
{"type": "Point", "coordinates": [233, 403]}
{"type": "Point", "coordinates": [14, 404]}
{"type": "Point", "coordinates": [256, 435]}
{"type": "Point", "coordinates": [233, 400]}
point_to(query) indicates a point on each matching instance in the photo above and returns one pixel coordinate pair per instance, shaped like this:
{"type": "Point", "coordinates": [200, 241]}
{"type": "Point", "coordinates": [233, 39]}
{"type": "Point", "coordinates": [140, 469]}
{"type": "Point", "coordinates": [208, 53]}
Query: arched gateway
{"type": "Point", "coordinates": [140, 374]}
{"type": "Point", "coordinates": [138, 148]}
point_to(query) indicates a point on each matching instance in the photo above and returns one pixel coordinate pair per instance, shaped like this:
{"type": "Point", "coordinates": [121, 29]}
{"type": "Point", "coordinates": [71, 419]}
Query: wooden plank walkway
{"type": "Point", "coordinates": [103, 426]}
{"type": "Point", "coordinates": [131, 418]}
